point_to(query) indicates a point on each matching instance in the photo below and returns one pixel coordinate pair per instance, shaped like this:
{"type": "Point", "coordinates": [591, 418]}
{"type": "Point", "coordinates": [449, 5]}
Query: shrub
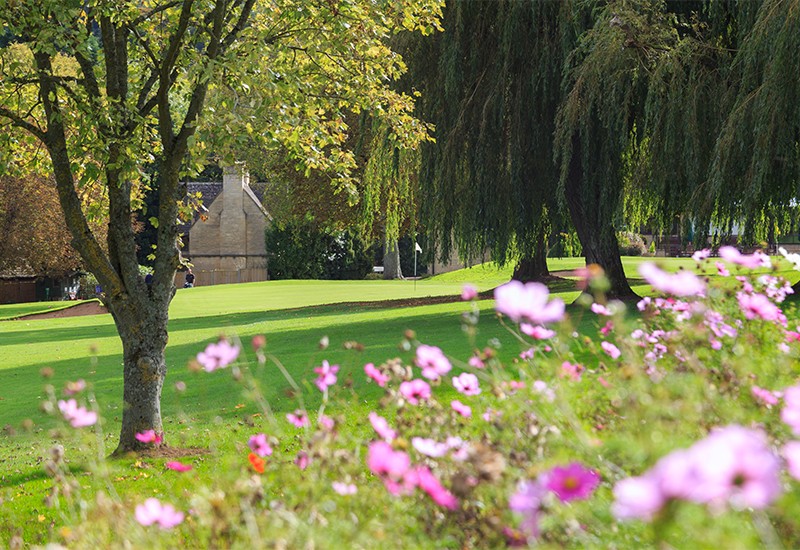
{"type": "Point", "coordinates": [303, 251]}
{"type": "Point", "coordinates": [631, 244]}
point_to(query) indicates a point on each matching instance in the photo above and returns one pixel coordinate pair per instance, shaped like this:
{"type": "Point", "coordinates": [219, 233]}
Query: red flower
{"type": "Point", "coordinates": [257, 462]}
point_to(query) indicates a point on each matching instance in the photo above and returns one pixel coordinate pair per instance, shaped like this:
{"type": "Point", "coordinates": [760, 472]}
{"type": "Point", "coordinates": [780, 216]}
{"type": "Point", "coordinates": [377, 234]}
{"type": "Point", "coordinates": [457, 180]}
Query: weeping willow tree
{"type": "Point", "coordinates": [721, 123]}
{"type": "Point", "coordinates": [491, 85]}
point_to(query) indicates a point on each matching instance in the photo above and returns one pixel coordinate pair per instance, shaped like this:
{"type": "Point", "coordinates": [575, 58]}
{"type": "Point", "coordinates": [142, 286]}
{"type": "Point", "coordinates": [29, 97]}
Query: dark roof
{"type": "Point", "coordinates": [210, 190]}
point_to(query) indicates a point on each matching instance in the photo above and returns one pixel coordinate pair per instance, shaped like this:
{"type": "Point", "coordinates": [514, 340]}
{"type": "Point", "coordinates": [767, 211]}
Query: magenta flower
{"type": "Point", "coordinates": [461, 408]}
{"type": "Point", "coordinates": [372, 372]}
{"type": "Point", "coordinates": [415, 391]}
{"type": "Point", "coordinates": [536, 332]}
{"type": "Point", "coordinates": [791, 410]}
{"type": "Point", "coordinates": [326, 375]}
{"type": "Point", "coordinates": [528, 301]}
{"type": "Point", "coordinates": [393, 467]}
{"type": "Point", "coordinates": [432, 362]}
{"type": "Point", "coordinates": [758, 306]}
{"type": "Point", "coordinates": [735, 465]}
{"type": "Point", "coordinates": [722, 270]}
{"type": "Point", "coordinates": [682, 283]}
{"type": "Point", "coordinates": [78, 417]}
{"type": "Point", "coordinates": [765, 396]}
{"type": "Point", "coordinates": [700, 255]}
{"type": "Point", "coordinates": [428, 483]}
{"type": "Point", "coordinates": [152, 511]}
{"type": "Point", "coordinates": [791, 452]}
{"type": "Point", "coordinates": [527, 354]}
{"type": "Point", "coordinates": [302, 460]}
{"type": "Point", "coordinates": [753, 261]}
{"type": "Point", "coordinates": [258, 444]}
{"type": "Point", "coordinates": [527, 501]}
{"type": "Point", "coordinates": [299, 418]}
{"type": "Point", "coordinates": [610, 349]}
{"type": "Point", "coordinates": [468, 292]}
{"type": "Point", "coordinates": [466, 383]}
{"type": "Point", "coordinates": [148, 436]}
{"type": "Point", "coordinates": [429, 447]}
{"type": "Point", "coordinates": [476, 362]}
{"type": "Point", "coordinates": [178, 466]}
{"type": "Point", "coordinates": [326, 422]}
{"type": "Point", "coordinates": [573, 482]}
{"type": "Point", "coordinates": [637, 498]}
{"type": "Point", "coordinates": [344, 488]}
{"type": "Point", "coordinates": [381, 427]}
{"type": "Point", "coordinates": [572, 371]}
{"type": "Point", "coordinates": [218, 356]}
{"type": "Point", "coordinates": [600, 309]}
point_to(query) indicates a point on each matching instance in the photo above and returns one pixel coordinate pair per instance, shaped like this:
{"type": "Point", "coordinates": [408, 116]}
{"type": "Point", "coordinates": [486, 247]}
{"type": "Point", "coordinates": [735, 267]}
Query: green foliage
{"type": "Point", "coordinates": [567, 245]}
{"type": "Point", "coordinates": [304, 251]}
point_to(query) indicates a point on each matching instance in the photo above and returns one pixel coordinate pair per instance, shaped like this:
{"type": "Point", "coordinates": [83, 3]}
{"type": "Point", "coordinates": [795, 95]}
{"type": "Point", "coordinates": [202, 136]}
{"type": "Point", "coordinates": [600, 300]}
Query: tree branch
{"type": "Point", "coordinates": [19, 122]}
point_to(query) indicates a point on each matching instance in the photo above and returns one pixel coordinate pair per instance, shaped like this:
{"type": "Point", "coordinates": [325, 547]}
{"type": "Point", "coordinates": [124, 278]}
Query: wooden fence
{"type": "Point", "coordinates": [17, 292]}
{"type": "Point", "coordinates": [221, 277]}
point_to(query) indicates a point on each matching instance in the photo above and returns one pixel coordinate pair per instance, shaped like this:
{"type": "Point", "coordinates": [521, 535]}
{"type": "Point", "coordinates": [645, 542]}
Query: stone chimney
{"type": "Point", "coordinates": [233, 221]}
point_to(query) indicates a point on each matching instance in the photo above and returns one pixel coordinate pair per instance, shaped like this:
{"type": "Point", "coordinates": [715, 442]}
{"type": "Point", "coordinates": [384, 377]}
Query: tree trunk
{"type": "Point", "coordinates": [533, 268]}
{"type": "Point", "coordinates": [595, 230]}
{"type": "Point", "coordinates": [391, 261]}
{"type": "Point", "coordinates": [144, 339]}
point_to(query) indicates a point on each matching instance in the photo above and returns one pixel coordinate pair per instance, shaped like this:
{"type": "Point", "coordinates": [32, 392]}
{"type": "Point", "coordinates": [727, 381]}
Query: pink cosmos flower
{"type": "Point", "coordinates": [765, 396]}
{"type": "Point", "coordinates": [541, 387]}
{"type": "Point", "coordinates": [326, 375]}
{"type": "Point", "coordinates": [415, 391]}
{"type": "Point", "coordinates": [394, 467]}
{"type": "Point", "coordinates": [637, 498]}
{"type": "Point", "coordinates": [572, 371]}
{"type": "Point", "coordinates": [610, 349]}
{"type": "Point", "coordinates": [722, 270]}
{"type": "Point", "coordinates": [428, 483]}
{"type": "Point", "coordinates": [344, 488]}
{"type": "Point", "coordinates": [700, 255]}
{"type": "Point", "coordinates": [326, 422]}
{"type": "Point", "coordinates": [78, 417]}
{"type": "Point", "coordinates": [258, 444]}
{"type": "Point", "coordinates": [791, 410]}
{"type": "Point", "coordinates": [468, 292]}
{"type": "Point", "coordinates": [302, 460]}
{"type": "Point", "coordinates": [152, 511]}
{"type": "Point", "coordinates": [528, 301]}
{"type": "Point", "coordinates": [372, 372]}
{"type": "Point", "coordinates": [476, 362]}
{"type": "Point", "coordinates": [148, 436]}
{"type": "Point", "coordinates": [683, 283]}
{"type": "Point", "coordinates": [758, 305]}
{"type": "Point", "coordinates": [527, 501]}
{"type": "Point", "coordinates": [429, 447]}
{"type": "Point", "coordinates": [600, 309]}
{"type": "Point", "coordinates": [607, 328]}
{"type": "Point", "coordinates": [753, 261]}
{"type": "Point", "coordinates": [536, 332]}
{"type": "Point", "coordinates": [178, 466]}
{"type": "Point", "coordinates": [218, 356]}
{"type": "Point", "coordinates": [791, 452]}
{"type": "Point", "coordinates": [491, 415]}
{"type": "Point", "coordinates": [466, 383]}
{"type": "Point", "coordinates": [381, 427]}
{"type": "Point", "coordinates": [527, 354]}
{"type": "Point", "coordinates": [432, 362]}
{"type": "Point", "coordinates": [75, 387]}
{"type": "Point", "coordinates": [461, 408]}
{"type": "Point", "coordinates": [299, 418]}
{"type": "Point", "coordinates": [572, 482]}
{"type": "Point", "coordinates": [735, 465]}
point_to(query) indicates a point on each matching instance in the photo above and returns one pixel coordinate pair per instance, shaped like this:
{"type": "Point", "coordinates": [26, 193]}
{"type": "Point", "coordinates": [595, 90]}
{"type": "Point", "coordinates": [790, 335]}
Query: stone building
{"type": "Point", "coordinates": [225, 243]}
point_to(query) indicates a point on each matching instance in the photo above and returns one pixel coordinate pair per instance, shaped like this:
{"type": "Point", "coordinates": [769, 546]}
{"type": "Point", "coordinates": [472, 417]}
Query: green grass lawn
{"type": "Point", "coordinates": [212, 412]}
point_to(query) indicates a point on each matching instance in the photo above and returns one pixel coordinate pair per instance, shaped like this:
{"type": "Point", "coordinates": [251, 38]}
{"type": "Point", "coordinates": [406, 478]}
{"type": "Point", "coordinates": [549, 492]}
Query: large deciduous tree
{"type": "Point", "coordinates": [105, 86]}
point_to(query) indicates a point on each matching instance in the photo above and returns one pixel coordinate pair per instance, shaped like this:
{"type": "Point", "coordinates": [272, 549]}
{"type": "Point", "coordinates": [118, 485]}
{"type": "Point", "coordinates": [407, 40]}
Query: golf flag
{"type": "Point", "coordinates": [418, 247]}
